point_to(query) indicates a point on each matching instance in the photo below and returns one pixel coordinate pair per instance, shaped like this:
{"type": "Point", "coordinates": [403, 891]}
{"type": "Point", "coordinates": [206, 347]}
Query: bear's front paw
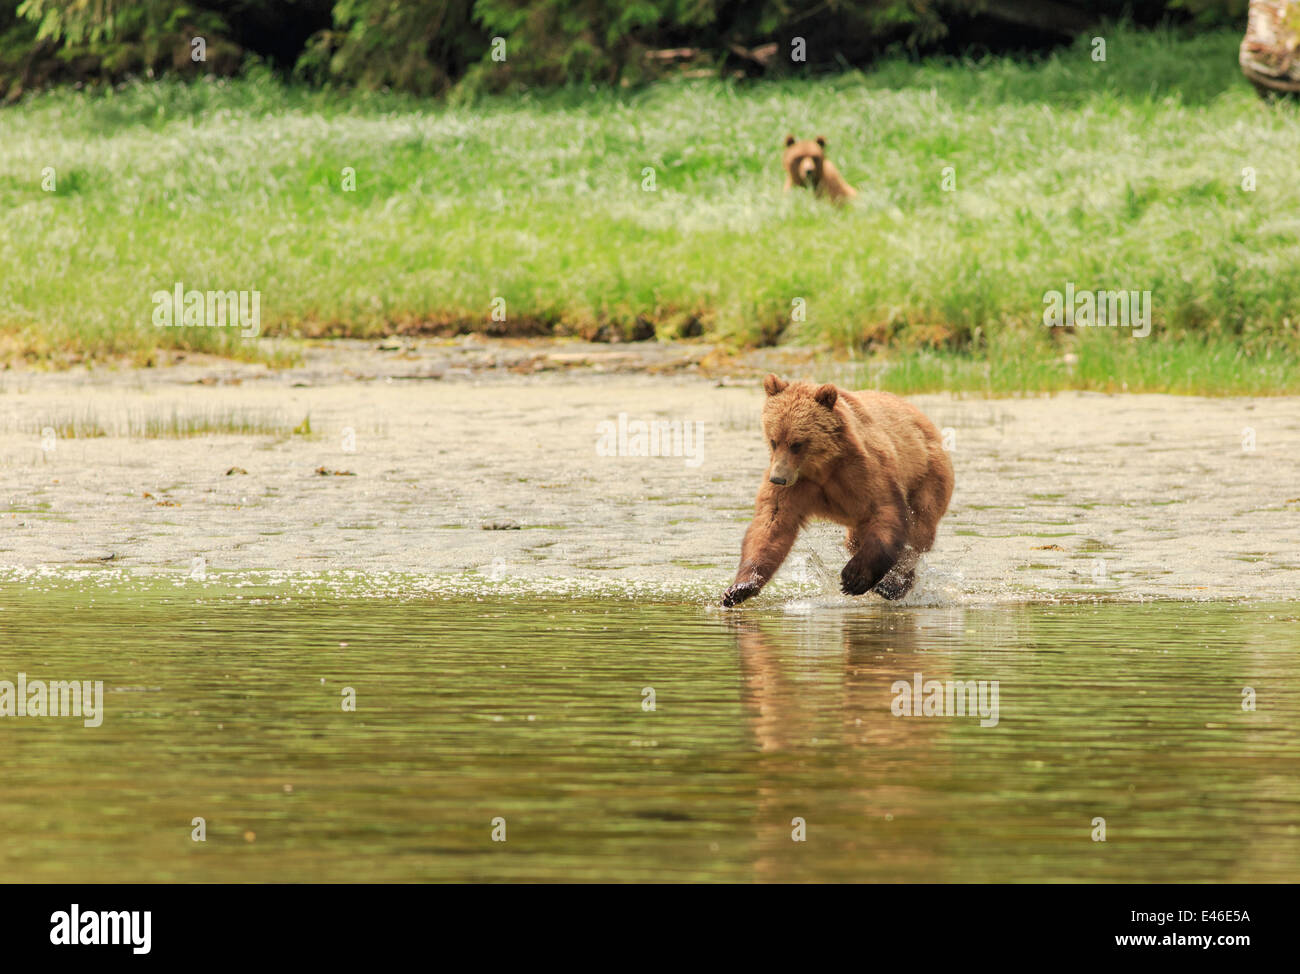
{"type": "Point", "coordinates": [856, 579]}
{"type": "Point", "coordinates": [739, 592]}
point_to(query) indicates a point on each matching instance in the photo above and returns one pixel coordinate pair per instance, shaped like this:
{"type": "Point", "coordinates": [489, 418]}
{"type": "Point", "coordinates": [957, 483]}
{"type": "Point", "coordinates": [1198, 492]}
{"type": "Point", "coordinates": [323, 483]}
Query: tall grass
{"type": "Point", "coordinates": [1122, 174]}
{"type": "Point", "coordinates": [1099, 363]}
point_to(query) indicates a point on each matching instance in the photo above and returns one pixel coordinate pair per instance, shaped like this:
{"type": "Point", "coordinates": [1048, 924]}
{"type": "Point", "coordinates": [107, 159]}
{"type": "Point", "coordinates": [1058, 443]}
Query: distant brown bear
{"type": "Point", "coordinates": [867, 460]}
{"type": "Point", "coordinates": [806, 165]}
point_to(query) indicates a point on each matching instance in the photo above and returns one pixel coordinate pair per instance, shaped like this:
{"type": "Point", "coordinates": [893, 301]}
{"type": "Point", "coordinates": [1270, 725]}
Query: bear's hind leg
{"type": "Point", "coordinates": [898, 580]}
{"type": "Point", "coordinates": [876, 547]}
{"type": "Point", "coordinates": [927, 507]}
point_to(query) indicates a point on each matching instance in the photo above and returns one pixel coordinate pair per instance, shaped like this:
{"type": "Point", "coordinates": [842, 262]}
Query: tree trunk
{"type": "Point", "coordinates": [1270, 51]}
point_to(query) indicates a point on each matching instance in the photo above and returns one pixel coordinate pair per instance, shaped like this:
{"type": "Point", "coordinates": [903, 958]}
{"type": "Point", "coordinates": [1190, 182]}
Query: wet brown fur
{"type": "Point", "coordinates": [867, 460]}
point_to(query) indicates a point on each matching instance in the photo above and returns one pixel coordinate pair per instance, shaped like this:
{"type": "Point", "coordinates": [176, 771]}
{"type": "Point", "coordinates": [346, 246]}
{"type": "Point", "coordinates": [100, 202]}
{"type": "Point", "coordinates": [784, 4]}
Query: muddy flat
{"type": "Point", "coordinates": [516, 467]}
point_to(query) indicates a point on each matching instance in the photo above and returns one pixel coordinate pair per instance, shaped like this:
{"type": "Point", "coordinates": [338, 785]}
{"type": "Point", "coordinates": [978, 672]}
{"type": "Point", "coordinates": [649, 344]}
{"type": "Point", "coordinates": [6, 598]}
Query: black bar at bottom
{"type": "Point", "coordinates": [338, 923]}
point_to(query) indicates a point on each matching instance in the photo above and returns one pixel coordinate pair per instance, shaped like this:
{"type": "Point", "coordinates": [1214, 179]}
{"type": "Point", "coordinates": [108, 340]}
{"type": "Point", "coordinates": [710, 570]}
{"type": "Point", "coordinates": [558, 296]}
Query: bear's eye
{"type": "Point", "coordinates": [774, 444]}
{"type": "Point", "coordinates": [796, 447]}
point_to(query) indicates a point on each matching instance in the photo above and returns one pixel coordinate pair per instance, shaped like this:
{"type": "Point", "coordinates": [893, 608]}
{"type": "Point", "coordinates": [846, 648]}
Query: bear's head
{"type": "Point", "coordinates": [804, 160]}
{"type": "Point", "coordinates": [802, 430]}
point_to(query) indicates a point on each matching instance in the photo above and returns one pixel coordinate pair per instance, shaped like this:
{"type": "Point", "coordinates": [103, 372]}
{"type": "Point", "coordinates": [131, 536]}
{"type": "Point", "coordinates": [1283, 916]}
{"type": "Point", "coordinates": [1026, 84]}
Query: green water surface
{"type": "Point", "coordinates": [535, 712]}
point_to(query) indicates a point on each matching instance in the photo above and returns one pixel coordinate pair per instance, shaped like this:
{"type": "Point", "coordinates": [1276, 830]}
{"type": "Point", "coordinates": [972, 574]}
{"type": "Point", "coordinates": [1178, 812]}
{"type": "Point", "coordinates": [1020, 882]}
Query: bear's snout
{"type": "Point", "coordinates": [783, 472]}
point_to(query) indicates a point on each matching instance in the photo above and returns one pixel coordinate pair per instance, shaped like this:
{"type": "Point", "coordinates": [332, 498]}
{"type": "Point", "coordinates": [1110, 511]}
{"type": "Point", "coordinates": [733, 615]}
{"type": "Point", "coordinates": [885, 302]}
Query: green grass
{"type": "Point", "coordinates": [1124, 174]}
{"type": "Point", "coordinates": [1103, 362]}
{"type": "Point", "coordinates": [86, 424]}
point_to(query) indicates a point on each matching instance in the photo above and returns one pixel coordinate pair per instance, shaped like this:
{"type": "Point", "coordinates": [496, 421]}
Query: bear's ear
{"type": "Point", "coordinates": [789, 140]}
{"type": "Point", "coordinates": [773, 385]}
{"type": "Point", "coordinates": [821, 141]}
{"type": "Point", "coordinates": [826, 395]}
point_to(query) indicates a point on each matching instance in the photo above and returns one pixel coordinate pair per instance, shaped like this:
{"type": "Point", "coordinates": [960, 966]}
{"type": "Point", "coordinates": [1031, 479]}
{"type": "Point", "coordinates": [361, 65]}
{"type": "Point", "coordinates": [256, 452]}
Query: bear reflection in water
{"type": "Point", "coordinates": [817, 696]}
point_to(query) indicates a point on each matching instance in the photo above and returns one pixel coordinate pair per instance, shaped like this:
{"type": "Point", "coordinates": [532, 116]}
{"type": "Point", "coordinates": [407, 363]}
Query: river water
{"type": "Point", "coordinates": [521, 738]}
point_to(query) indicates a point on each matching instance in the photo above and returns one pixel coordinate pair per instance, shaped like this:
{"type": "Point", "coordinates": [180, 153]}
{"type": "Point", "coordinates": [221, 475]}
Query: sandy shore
{"type": "Point", "coordinates": [483, 462]}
